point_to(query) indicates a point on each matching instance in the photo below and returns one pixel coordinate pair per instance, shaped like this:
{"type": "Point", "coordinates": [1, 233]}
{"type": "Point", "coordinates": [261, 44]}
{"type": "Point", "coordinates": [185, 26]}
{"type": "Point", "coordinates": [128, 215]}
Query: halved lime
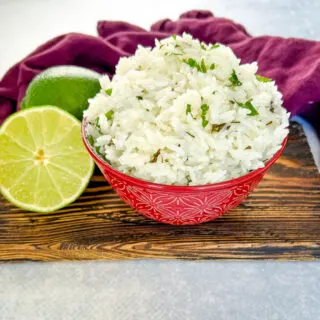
{"type": "Point", "coordinates": [43, 163]}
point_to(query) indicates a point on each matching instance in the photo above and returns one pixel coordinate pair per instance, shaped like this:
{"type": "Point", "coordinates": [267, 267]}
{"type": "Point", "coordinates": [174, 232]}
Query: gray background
{"type": "Point", "coordinates": [25, 24]}
{"type": "Point", "coordinates": [154, 289]}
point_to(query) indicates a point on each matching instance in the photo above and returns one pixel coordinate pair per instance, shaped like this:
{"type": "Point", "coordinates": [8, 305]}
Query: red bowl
{"type": "Point", "coordinates": [180, 205]}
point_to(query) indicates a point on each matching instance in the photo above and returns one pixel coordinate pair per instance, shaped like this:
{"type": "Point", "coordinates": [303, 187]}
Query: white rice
{"type": "Point", "coordinates": [173, 121]}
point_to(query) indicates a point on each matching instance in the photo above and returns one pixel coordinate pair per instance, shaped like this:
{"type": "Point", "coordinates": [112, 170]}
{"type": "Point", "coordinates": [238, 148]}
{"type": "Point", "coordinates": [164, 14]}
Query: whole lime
{"type": "Point", "coordinates": [68, 87]}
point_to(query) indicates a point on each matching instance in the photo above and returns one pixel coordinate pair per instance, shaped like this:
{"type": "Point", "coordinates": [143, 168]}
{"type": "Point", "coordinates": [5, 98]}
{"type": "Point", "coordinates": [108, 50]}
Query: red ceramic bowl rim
{"type": "Point", "coordinates": [153, 185]}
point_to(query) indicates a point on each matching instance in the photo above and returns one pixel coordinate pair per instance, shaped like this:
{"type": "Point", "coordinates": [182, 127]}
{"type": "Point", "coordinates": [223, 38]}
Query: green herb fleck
{"type": "Point", "coordinates": [139, 97]}
{"type": "Point", "coordinates": [191, 62]}
{"type": "Point", "coordinates": [212, 66]}
{"type": "Point", "coordinates": [155, 157]}
{"type": "Point", "coordinates": [188, 109]}
{"type": "Point", "coordinates": [248, 148]}
{"type": "Point", "coordinates": [109, 115]}
{"type": "Point", "coordinates": [215, 46]}
{"type": "Point", "coordinates": [203, 47]}
{"type": "Point", "coordinates": [161, 45]}
{"type": "Point", "coordinates": [214, 92]}
{"type": "Point", "coordinates": [204, 109]}
{"type": "Point", "coordinates": [203, 67]}
{"type": "Point", "coordinates": [174, 36]}
{"type": "Point", "coordinates": [109, 91]}
{"type": "Point", "coordinates": [91, 140]}
{"type": "Point", "coordinates": [194, 64]}
{"type": "Point", "coordinates": [191, 135]}
{"type": "Point", "coordinates": [97, 123]}
{"type": "Point", "coordinates": [144, 91]}
{"type": "Point", "coordinates": [217, 127]}
{"type": "Point", "coordinates": [188, 179]}
{"type": "Point", "coordinates": [248, 105]}
{"type": "Point", "coordinates": [234, 79]}
{"type": "Point", "coordinates": [98, 150]}
{"type": "Point", "coordinates": [235, 121]}
{"type": "Point", "coordinates": [272, 109]}
{"type": "Point", "coordinates": [263, 79]}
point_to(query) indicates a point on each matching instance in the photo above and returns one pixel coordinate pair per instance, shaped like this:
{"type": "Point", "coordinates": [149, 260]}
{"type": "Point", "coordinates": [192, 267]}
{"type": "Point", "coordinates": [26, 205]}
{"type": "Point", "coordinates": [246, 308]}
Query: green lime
{"type": "Point", "coordinates": [43, 163]}
{"type": "Point", "coordinates": [67, 87]}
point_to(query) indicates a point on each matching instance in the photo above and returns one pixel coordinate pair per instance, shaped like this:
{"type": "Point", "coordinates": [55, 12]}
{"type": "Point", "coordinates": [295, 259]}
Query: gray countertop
{"type": "Point", "coordinates": [154, 289]}
{"type": "Point", "coordinates": [160, 290]}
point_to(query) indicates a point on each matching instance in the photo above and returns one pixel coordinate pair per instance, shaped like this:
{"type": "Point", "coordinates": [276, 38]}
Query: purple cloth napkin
{"type": "Point", "coordinates": [293, 63]}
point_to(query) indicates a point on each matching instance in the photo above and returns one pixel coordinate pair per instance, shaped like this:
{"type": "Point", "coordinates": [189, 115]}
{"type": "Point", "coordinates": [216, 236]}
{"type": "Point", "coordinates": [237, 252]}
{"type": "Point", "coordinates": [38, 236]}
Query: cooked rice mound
{"type": "Point", "coordinates": [186, 113]}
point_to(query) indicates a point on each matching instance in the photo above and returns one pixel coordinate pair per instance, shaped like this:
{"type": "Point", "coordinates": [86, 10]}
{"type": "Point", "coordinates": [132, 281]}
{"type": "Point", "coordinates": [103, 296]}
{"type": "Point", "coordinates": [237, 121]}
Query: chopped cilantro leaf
{"type": "Point", "coordinates": [191, 62]}
{"type": "Point", "coordinates": [174, 36]}
{"type": "Point", "coordinates": [214, 92]}
{"type": "Point", "coordinates": [188, 109]}
{"type": "Point", "coordinates": [155, 156]}
{"type": "Point", "coordinates": [191, 135]}
{"type": "Point", "coordinates": [212, 66]}
{"type": "Point", "coordinates": [204, 110]}
{"type": "Point", "coordinates": [97, 123]}
{"type": "Point", "coordinates": [91, 140]}
{"type": "Point", "coordinates": [109, 115]}
{"type": "Point", "coordinates": [217, 127]}
{"type": "Point", "coordinates": [203, 47]}
{"type": "Point", "coordinates": [234, 79]}
{"type": "Point", "coordinates": [248, 105]}
{"type": "Point", "coordinates": [139, 97]}
{"type": "Point", "coordinates": [263, 79]}
{"type": "Point", "coordinates": [203, 67]}
{"type": "Point", "coordinates": [109, 91]}
{"type": "Point", "coordinates": [214, 46]}
{"type": "Point", "coordinates": [194, 64]}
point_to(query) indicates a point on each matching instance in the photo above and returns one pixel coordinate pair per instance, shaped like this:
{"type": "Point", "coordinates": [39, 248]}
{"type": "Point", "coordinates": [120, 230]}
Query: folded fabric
{"type": "Point", "coordinates": [293, 63]}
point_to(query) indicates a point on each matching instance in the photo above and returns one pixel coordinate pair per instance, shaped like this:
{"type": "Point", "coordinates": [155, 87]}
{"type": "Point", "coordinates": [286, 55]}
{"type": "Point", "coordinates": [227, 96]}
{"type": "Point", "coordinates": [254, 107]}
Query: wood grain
{"type": "Point", "coordinates": [280, 220]}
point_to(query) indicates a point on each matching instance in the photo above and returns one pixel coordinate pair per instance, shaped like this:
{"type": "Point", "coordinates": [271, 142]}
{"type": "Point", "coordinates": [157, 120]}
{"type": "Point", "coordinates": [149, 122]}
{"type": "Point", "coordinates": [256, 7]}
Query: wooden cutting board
{"type": "Point", "coordinates": [279, 220]}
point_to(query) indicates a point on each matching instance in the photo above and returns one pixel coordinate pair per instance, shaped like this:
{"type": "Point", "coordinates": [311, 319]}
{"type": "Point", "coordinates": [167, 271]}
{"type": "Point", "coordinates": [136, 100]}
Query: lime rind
{"type": "Point", "coordinates": [67, 87]}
